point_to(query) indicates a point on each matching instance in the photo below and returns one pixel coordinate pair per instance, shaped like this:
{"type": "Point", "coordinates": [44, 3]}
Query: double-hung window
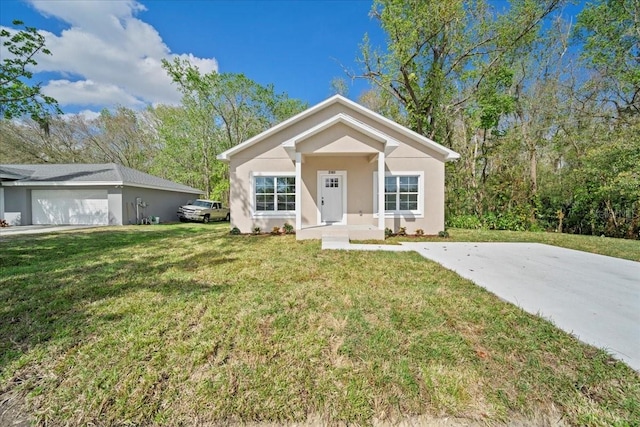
{"type": "Point", "coordinates": [275, 194]}
{"type": "Point", "coordinates": [400, 193]}
{"type": "Point", "coordinates": [403, 194]}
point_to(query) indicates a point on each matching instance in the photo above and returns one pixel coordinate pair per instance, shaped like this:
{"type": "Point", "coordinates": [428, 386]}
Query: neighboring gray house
{"type": "Point", "coordinates": [101, 194]}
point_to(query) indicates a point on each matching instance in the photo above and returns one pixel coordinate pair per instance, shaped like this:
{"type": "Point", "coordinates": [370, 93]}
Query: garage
{"type": "Point", "coordinates": [77, 206]}
{"type": "Point", "coordinates": [87, 194]}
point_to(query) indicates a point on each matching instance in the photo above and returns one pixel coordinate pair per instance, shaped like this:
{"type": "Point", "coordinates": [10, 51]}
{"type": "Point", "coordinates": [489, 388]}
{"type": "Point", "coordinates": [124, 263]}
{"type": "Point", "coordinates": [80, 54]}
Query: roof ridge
{"type": "Point", "coordinates": [116, 168]}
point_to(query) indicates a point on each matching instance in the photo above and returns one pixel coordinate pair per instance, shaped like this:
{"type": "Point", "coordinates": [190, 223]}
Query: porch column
{"type": "Point", "coordinates": [381, 190]}
{"type": "Point", "coordinates": [298, 191]}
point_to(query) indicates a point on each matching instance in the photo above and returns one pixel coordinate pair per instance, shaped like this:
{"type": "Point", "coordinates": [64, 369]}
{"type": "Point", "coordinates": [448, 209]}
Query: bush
{"type": "Point", "coordinates": [275, 231]}
{"type": "Point", "coordinates": [256, 230]}
{"type": "Point", "coordinates": [235, 231]}
{"type": "Point", "coordinates": [465, 221]}
{"type": "Point", "coordinates": [402, 231]}
{"type": "Point", "coordinates": [288, 228]}
{"type": "Point", "coordinates": [518, 218]}
{"type": "Point", "coordinates": [443, 233]}
{"type": "Point", "coordinates": [419, 232]}
{"type": "Point", "coordinates": [388, 232]}
{"type": "Point", "coordinates": [514, 219]}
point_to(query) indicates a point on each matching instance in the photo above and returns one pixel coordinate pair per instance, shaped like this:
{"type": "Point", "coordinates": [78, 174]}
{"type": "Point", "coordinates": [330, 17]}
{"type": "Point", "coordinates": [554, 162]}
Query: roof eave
{"type": "Point", "coordinates": [27, 183]}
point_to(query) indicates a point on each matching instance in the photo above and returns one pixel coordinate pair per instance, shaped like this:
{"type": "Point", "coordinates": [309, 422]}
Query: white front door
{"type": "Point", "coordinates": [331, 198]}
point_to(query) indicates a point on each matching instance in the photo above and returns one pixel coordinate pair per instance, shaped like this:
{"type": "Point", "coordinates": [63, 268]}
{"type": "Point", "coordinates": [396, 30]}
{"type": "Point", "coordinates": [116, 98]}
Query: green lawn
{"type": "Point", "coordinates": [179, 324]}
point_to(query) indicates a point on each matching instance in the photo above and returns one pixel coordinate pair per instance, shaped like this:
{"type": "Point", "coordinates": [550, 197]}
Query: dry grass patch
{"type": "Point", "coordinates": [184, 324]}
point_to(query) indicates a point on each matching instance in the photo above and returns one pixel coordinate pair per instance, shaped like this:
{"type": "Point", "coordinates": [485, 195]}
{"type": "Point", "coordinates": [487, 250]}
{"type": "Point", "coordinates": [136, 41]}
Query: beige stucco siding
{"type": "Point", "coordinates": [432, 218]}
{"type": "Point", "coordinates": [241, 192]}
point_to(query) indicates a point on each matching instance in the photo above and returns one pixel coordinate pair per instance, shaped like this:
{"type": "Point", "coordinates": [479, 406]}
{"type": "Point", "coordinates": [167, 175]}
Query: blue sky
{"type": "Point", "coordinates": [107, 52]}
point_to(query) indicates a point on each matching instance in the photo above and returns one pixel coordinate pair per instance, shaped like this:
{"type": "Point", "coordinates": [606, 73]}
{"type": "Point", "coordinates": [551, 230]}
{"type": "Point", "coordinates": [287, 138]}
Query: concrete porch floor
{"type": "Point", "coordinates": [350, 232]}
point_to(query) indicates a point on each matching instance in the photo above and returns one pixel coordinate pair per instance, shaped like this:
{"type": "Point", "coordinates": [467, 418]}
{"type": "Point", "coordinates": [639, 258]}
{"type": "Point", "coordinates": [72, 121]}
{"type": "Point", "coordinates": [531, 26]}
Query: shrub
{"type": "Point", "coordinates": [465, 221]}
{"type": "Point", "coordinates": [275, 231]}
{"type": "Point", "coordinates": [235, 231]}
{"type": "Point", "coordinates": [256, 230]}
{"type": "Point", "coordinates": [514, 219]}
{"type": "Point", "coordinates": [443, 233]}
{"type": "Point", "coordinates": [288, 228]}
{"type": "Point", "coordinates": [388, 232]}
{"type": "Point", "coordinates": [402, 231]}
{"type": "Point", "coordinates": [419, 232]}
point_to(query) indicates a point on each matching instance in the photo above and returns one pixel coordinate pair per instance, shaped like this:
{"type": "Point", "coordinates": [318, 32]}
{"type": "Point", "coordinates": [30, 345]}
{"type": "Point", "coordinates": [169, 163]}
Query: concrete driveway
{"type": "Point", "coordinates": [40, 229]}
{"type": "Point", "coordinates": [594, 297]}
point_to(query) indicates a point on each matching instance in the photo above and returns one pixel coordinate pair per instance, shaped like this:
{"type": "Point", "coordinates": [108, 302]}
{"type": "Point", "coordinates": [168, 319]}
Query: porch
{"type": "Point", "coordinates": [352, 232]}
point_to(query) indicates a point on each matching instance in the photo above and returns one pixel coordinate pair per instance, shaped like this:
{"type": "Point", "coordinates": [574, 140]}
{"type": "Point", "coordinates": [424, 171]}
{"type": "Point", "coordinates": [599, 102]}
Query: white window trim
{"type": "Point", "coordinates": [270, 214]}
{"type": "Point", "coordinates": [419, 213]}
{"type": "Point", "coordinates": [342, 174]}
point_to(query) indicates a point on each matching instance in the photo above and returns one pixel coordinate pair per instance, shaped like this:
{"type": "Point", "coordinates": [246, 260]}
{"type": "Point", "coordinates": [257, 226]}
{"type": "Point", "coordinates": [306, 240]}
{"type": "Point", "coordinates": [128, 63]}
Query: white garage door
{"type": "Point", "coordinates": [69, 207]}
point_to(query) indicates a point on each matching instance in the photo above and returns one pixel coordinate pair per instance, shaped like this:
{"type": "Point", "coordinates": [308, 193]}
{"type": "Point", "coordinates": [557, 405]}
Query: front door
{"type": "Point", "coordinates": [331, 198]}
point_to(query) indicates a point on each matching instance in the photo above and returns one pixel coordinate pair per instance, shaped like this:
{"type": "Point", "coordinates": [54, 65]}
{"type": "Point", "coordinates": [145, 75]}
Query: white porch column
{"type": "Point", "coordinates": [298, 191]}
{"type": "Point", "coordinates": [381, 190]}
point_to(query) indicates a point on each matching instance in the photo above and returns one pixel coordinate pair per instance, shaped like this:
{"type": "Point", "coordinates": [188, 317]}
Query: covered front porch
{"type": "Point", "coordinates": [339, 164]}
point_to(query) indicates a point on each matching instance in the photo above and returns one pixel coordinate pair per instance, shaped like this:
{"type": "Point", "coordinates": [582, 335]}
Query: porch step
{"type": "Point", "coordinates": [350, 232]}
{"type": "Point", "coordinates": [335, 241]}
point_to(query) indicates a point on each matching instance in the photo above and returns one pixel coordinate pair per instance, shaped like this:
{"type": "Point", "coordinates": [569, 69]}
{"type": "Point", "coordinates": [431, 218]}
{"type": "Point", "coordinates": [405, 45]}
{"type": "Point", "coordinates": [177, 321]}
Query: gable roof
{"type": "Point", "coordinates": [390, 144]}
{"type": "Point", "coordinates": [80, 174]}
{"type": "Point", "coordinates": [338, 99]}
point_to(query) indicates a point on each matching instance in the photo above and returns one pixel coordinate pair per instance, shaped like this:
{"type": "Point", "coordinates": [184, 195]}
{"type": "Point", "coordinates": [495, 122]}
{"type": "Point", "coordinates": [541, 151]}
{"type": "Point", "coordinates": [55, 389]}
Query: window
{"type": "Point", "coordinates": [331, 182]}
{"type": "Point", "coordinates": [275, 193]}
{"type": "Point", "coordinates": [402, 193]}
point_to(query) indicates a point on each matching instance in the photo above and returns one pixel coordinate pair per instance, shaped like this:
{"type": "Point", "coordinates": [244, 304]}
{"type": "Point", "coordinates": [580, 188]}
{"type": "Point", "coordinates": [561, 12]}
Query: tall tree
{"type": "Point", "coordinates": [222, 110]}
{"type": "Point", "coordinates": [439, 53]}
{"type": "Point", "coordinates": [124, 136]}
{"type": "Point", "coordinates": [17, 97]}
{"type": "Point", "coordinates": [187, 153]}
{"type": "Point", "coordinates": [610, 31]}
{"type": "Point", "coordinates": [27, 141]}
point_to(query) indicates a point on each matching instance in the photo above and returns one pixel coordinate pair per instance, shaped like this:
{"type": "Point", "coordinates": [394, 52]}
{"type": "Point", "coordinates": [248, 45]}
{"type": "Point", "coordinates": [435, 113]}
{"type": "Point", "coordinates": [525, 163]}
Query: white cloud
{"type": "Point", "coordinates": [108, 56]}
{"type": "Point", "coordinates": [90, 93]}
{"type": "Point", "coordinates": [88, 115]}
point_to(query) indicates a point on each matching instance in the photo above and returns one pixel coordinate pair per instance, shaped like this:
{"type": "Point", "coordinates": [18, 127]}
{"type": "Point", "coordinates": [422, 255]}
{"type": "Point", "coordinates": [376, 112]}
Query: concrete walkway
{"type": "Point", "coordinates": [594, 297]}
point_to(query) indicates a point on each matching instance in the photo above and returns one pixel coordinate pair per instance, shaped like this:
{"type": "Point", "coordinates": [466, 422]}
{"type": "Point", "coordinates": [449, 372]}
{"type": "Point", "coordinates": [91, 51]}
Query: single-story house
{"type": "Point", "coordinates": [320, 171]}
{"type": "Point", "coordinates": [100, 194]}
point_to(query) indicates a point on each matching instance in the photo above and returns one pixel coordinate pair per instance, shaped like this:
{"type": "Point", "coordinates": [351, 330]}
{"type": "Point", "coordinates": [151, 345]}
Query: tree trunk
{"type": "Point", "coordinates": [533, 171]}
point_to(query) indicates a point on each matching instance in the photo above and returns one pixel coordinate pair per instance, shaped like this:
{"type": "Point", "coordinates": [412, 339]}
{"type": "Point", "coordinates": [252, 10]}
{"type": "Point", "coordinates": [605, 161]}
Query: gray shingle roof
{"type": "Point", "coordinates": [12, 173]}
{"type": "Point", "coordinates": [100, 174]}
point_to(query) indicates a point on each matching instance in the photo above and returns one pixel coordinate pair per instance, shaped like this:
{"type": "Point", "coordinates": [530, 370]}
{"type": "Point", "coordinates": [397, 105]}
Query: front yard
{"type": "Point", "coordinates": [185, 324]}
